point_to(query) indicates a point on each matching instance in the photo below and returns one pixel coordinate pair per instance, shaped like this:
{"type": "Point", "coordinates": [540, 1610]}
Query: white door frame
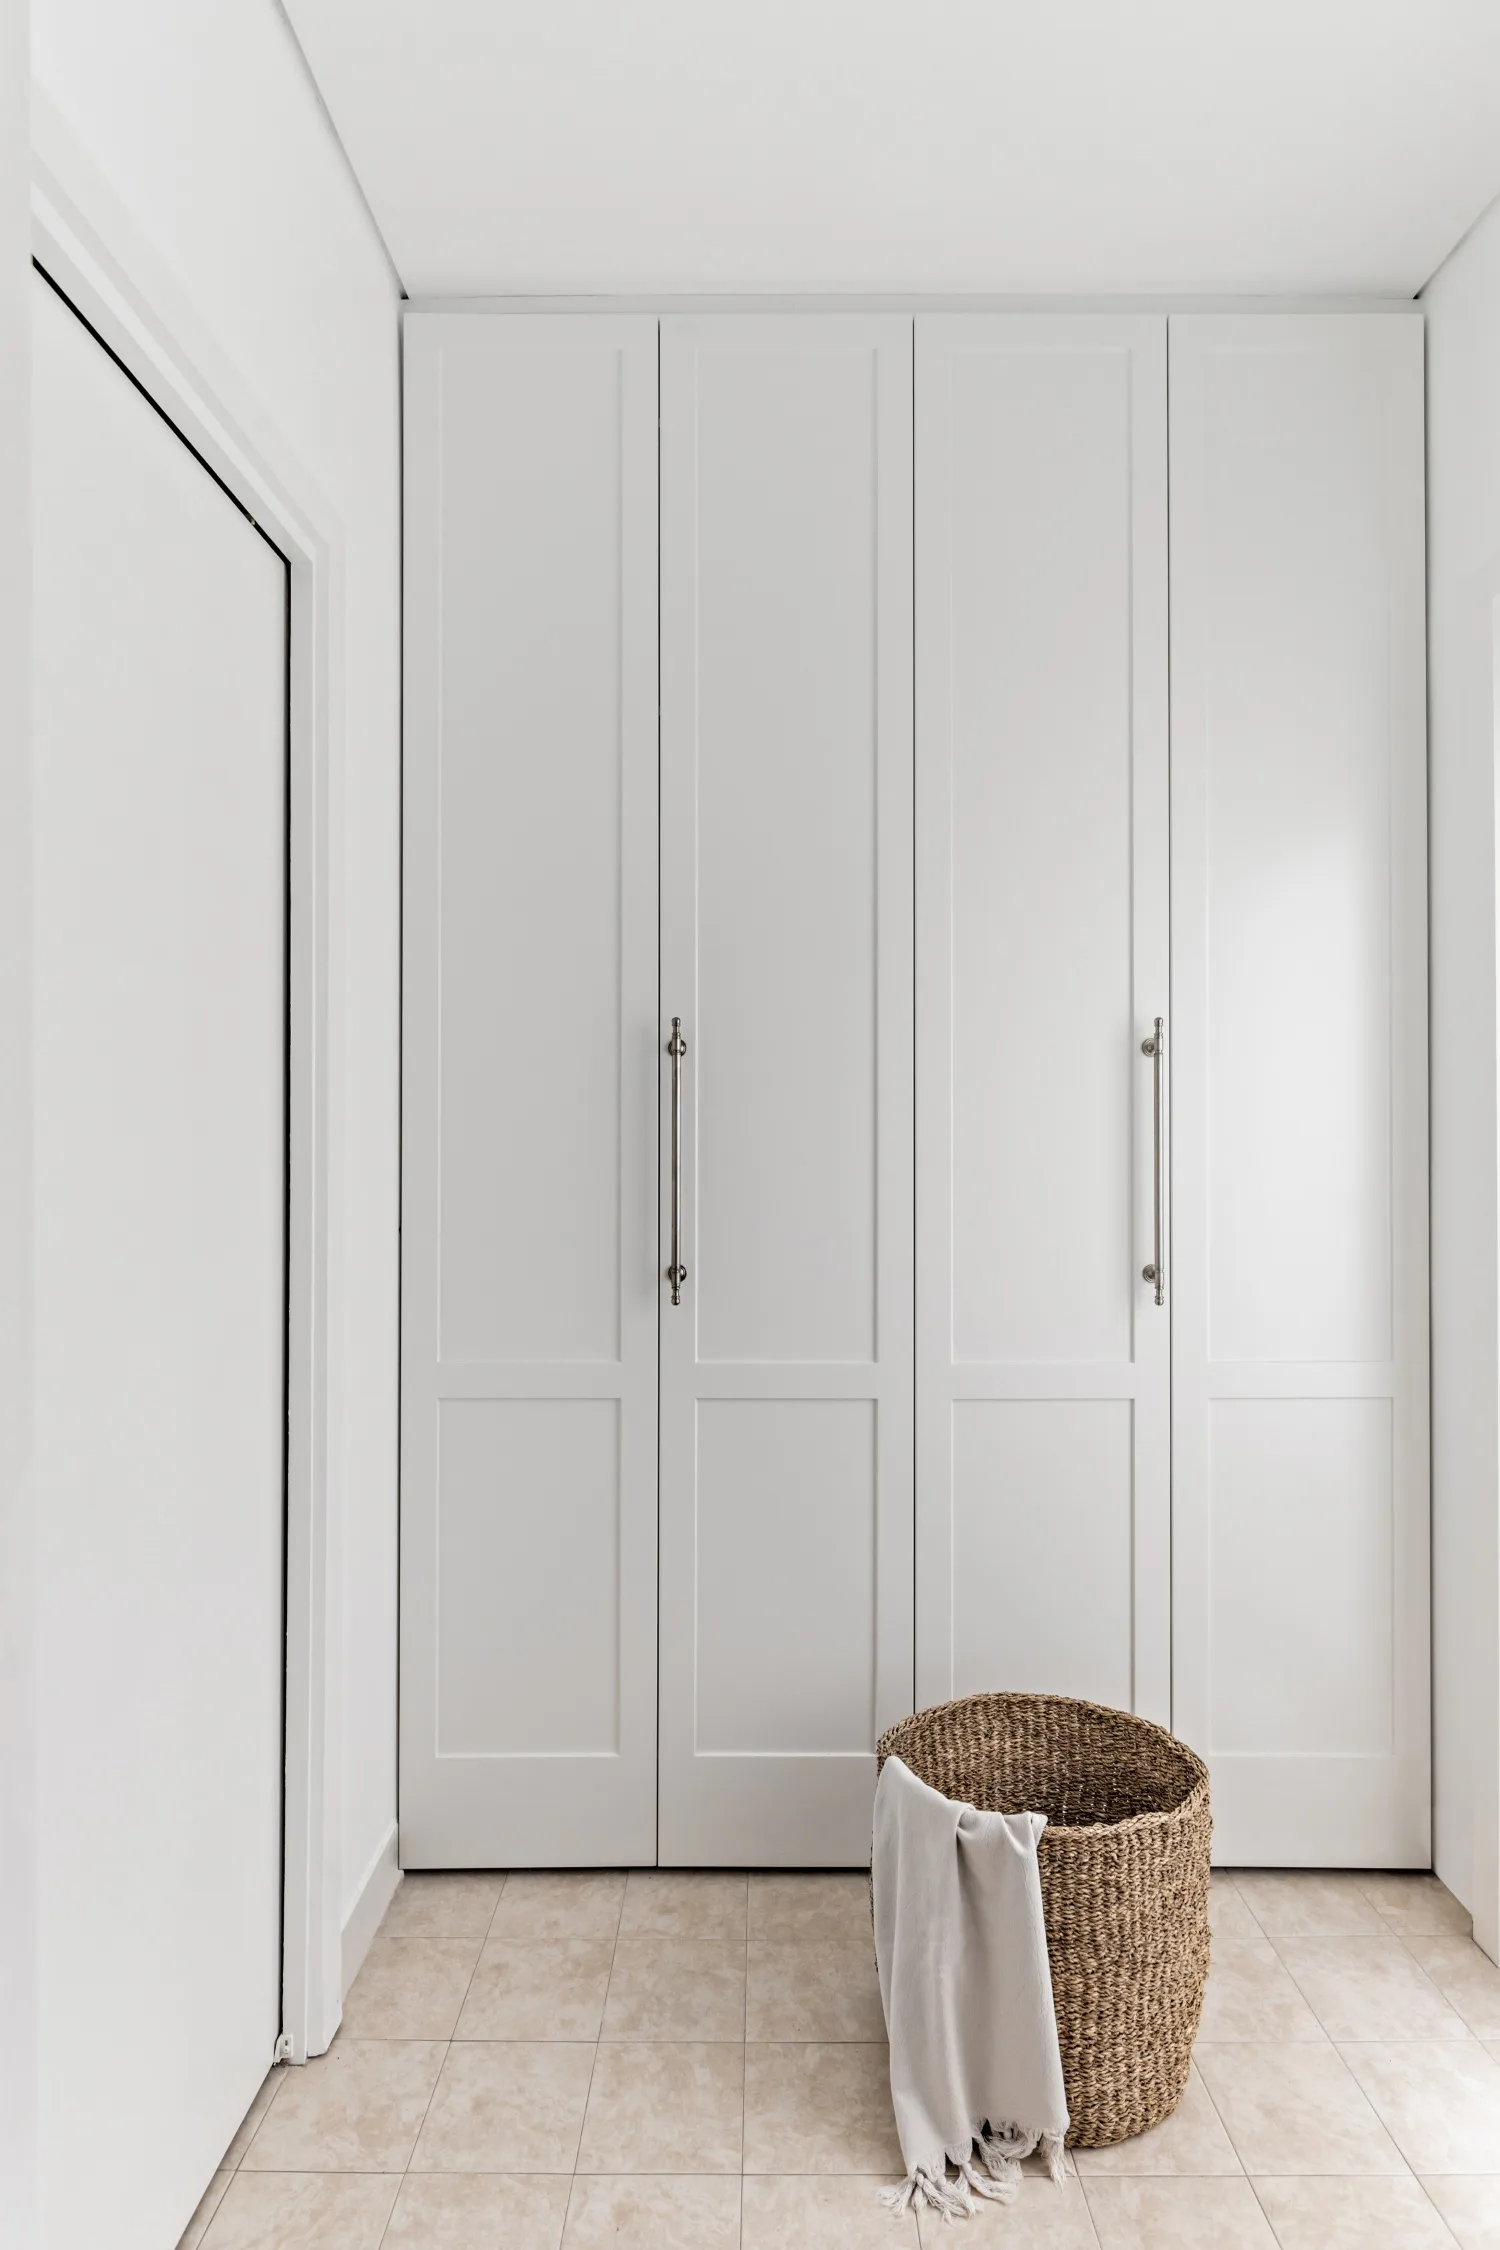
{"type": "Point", "coordinates": [85, 243]}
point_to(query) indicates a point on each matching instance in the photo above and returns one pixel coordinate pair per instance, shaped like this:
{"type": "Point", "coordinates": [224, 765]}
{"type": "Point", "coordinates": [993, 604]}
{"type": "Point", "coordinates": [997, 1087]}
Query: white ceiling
{"type": "Point", "coordinates": [1019, 146]}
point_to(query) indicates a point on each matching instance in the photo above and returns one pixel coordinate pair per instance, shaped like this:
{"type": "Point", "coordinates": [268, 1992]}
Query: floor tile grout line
{"type": "Point", "coordinates": [1442, 2219]}
{"type": "Point", "coordinates": [1335, 2044]}
{"type": "Point", "coordinates": [233, 2168]}
{"type": "Point", "coordinates": [1088, 2205]}
{"type": "Point", "coordinates": [1265, 2214]}
{"type": "Point", "coordinates": [594, 2065]}
{"type": "Point", "coordinates": [1213, 2104]}
{"type": "Point", "coordinates": [447, 2045]}
{"type": "Point", "coordinates": [1416, 1964]}
{"type": "Point", "coordinates": [1233, 1885]}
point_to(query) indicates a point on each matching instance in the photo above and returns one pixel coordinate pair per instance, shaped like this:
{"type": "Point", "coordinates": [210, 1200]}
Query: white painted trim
{"type": "Point", "coordinates": [377, 1887]}
{"type": "Point", "coordinates": [92, 249]}
{"type": "Point", "coordinates": [1484, 1905]}
{"type": "Point", "coordinates": [911, 301]}
{"type": "Point", "coordinates": [18, 1777]}
{"type": "Point", "coordinates": [1483, 1901]}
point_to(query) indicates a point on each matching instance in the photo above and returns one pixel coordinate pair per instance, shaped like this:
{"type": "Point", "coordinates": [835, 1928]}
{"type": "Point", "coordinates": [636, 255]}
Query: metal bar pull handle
{"type": "Point", "coordinates": [677, 1271]}
{"type": "Point", "coordinates": [1156, 1048]}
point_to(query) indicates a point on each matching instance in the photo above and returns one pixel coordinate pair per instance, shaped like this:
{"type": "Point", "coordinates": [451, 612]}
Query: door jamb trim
{"type": "Point", "coordinates": [92, 251]}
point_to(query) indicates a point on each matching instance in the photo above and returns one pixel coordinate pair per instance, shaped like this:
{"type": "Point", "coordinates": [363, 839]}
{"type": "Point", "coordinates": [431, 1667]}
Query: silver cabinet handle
{"type": "Point", "coordinates": [677, 1271]}
{"type": "Point", "coordinates": [1156, 1048]}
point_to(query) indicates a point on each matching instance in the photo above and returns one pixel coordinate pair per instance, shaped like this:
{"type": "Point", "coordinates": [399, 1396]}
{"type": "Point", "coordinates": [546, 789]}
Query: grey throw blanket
{"type": "Point", "coordinates": [961, 1949]}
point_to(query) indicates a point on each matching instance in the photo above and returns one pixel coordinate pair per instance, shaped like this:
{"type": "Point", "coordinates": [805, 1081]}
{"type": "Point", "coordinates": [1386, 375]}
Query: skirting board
{"type": "Point", "coordinates": [376, 1890]}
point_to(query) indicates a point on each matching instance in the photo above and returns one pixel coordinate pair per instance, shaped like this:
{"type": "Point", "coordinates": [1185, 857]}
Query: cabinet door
{"type": "Point", "coordinates": [1300, 1097]}
{"type": "Point", "coordinates": [528, 1612]}
{"type": "Point", "coordinates": [786, 1474]}
{"type": "Point", "coordinates": [1042, 1355]}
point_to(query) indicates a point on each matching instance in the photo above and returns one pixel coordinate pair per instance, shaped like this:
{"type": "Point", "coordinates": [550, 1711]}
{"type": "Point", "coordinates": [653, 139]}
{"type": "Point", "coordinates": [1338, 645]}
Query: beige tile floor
{"type": "Point", "coordinates": [695, 2062]}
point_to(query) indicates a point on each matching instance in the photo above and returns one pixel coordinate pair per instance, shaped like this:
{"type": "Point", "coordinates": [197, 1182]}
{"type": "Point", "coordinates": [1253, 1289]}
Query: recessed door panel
{"type": "Point", "coordinates": [1042, 1353]}
{"type": "Point", "coordinates": [530, 556]}
{"type": "Point", "coordinates": [1043, 1518]}
{"type": "Point", "coordinates": [1301, 1658]}
{"type": "Point", "coordinates": [1297, 882]}
{"type": "Point", "coordinates": [1039, 655]}
{"type": "Point", "coordinates": [528, 1533]}
{"type": "Point", "coordinates": [787, 1499]}
{"type": "Point", "coordinates": [786, 778]}
{"type": "Point", "coordinates": [786, 954]}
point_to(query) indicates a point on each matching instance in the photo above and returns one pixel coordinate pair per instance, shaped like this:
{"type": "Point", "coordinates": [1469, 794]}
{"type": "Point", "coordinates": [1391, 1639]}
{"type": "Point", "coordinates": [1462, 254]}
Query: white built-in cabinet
{"type": "Point", "coordinates": [914, 1070]}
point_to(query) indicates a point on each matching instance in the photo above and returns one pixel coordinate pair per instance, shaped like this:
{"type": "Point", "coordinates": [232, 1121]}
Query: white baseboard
{"type": "Point", "coordinates": [377, 1888]}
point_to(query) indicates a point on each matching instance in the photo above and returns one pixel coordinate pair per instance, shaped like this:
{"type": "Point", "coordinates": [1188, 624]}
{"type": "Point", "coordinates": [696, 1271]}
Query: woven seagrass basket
{"type": "Point", "coordinates": [1124, 1867]}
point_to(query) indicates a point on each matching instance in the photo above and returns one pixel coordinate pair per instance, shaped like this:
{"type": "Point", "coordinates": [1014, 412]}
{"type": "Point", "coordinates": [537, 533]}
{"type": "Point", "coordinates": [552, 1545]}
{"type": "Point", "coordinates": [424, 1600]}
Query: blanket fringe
{"type": "Point", "coordinates": [950, 2198]}
{"type": "Point", "coordinates": [990, 2168]}
{"type": "Point", "coordinates": [998, 2186]}
{"type": "Point", "coordinates": [1010, 2144]}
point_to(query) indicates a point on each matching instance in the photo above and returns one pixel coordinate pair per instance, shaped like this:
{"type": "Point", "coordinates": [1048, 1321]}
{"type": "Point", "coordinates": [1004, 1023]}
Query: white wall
{"type": "Point", "coordinates": [1463, 359]}
{"type": "Point", "coordinates": [17, 1781]}
{"type": "Point", "coordinates": [206, 129]}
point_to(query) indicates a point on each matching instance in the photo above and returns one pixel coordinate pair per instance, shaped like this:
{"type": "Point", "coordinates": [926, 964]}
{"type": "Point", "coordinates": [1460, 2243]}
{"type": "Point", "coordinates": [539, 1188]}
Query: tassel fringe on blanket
{"type": "Point", "coordinates": [990, 2167]}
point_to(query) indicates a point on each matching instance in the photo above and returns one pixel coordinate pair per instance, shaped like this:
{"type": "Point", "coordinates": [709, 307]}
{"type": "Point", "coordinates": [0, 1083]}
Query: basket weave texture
{"type": "Point", "coordinates": [1124, 1868]}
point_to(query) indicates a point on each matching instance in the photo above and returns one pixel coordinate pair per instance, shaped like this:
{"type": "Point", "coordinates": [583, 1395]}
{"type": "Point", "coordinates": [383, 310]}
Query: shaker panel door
{"type": "Point", "coordinates": [1041, 900]}
{"type": "Point", "coordinates": [1300, 1087]}
{"type": "Point", "coordinates": [786, 1471]}
{"type": "Point", "coordinates": [528, 1677]}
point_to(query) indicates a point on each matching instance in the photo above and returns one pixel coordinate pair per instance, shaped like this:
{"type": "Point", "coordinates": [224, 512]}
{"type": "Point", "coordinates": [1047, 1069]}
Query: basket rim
{"type": "Point", "coordinates": [1188, 1807]}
